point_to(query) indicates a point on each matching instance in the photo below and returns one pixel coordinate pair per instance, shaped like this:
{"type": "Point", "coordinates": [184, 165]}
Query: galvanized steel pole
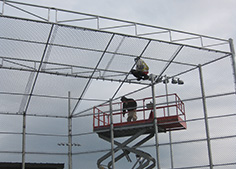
{"type": "Point", "coordinates": [112, 136]}
{"type": "Point", "coordinates": [69, 133]}
{"type": "Point", "coordinates": [170, 136]}
{"type": "Point", "coordinates": [3, 3]}
{"type": "Point", "coordinates": [231, 44]}
{"type": "Point", "coordinates": [23, 140]}
{"type": "Point", "coordinates": [205, 118]}
{"type": "Point", "coordinates": [155, 122]}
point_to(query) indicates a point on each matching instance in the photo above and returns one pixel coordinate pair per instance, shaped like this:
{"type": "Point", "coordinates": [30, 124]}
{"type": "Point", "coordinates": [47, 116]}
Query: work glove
{"type": "Point", "coordinates": [123, 114]}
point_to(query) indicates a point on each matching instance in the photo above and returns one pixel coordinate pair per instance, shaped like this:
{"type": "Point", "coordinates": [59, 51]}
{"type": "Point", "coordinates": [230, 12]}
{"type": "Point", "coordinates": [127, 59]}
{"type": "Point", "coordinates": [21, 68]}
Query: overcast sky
{"type": "Point", "coordinates": [214, 18]}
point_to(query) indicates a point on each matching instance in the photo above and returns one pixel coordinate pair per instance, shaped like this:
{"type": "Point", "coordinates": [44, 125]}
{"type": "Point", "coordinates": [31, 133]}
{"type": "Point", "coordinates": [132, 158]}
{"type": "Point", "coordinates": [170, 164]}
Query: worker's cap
{"type": "Point", "coordinates": [136, 59]}
{"type": "Point", "coordinates": [123, 98]}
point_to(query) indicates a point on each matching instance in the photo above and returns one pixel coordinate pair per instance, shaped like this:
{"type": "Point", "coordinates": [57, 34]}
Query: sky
{"type": "Point", "coordinates": [213, 18]}
{"type": "Point", "coordinates": [207, 17]}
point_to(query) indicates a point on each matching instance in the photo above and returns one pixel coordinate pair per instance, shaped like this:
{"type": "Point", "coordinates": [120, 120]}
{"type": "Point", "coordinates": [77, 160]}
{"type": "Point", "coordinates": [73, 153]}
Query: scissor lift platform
{"type": "Point", "coordinates": [170, 117]}
{"type": "Point", "coordinates": [124, 129]}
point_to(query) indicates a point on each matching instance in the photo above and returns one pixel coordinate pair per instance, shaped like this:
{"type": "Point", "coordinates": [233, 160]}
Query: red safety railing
{"type": "Point", "coordinates": [174, 107]}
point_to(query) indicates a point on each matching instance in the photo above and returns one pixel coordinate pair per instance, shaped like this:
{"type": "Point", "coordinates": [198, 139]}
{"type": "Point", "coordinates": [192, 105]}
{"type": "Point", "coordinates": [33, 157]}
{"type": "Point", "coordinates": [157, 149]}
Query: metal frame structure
{"type": "Point", "coordinates": [109, 39]}
{"type": "Point", "coordinates": [101, 23]}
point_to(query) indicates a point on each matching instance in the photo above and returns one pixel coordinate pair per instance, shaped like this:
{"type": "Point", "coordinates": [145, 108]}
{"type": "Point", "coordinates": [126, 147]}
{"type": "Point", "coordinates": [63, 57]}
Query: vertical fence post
{"type": "Point", "coordinates": [112, 136]}
{"type": "Point", "coordinates": [233, 60]}
{"type": "Point", "coordinates": [69, 134]}
{"type": "Point", "coordinates": [98, 23]}
{"type": "Point", "coordinates": [23, 140]}
{"type": "Point", "coordinates": [3, 6]}
{"type": "Point", "coordinates": [170, 136]}
{"type": "Point", "coordinates": [205, 117]}
{"type": "Point", "coordinates": [56, 20]}
{"type": "Point", "coordinates": [155, 122]}
{"type": "Point", "coordinates": [49, 13]}
{"type": "Point", "coordinates": [135, 29]}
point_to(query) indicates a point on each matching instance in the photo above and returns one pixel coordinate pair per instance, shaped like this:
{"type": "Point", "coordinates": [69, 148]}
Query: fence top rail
{"type": "Point", "coordinates": [102, 23]}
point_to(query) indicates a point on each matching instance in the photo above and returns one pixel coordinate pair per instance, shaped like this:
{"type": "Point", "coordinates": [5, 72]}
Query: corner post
{"type": "Point", "coordinates": [205, 117]}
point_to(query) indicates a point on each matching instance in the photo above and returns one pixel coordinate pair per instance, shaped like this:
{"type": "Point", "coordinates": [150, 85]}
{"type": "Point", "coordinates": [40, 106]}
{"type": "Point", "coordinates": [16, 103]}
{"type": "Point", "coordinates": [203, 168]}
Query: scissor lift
{"type": "Point", "coordinates": [170, 117]}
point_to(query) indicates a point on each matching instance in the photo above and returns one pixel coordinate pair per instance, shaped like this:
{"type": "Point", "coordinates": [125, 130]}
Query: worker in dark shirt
{"type": "Point", "coordinates": [130, 106]}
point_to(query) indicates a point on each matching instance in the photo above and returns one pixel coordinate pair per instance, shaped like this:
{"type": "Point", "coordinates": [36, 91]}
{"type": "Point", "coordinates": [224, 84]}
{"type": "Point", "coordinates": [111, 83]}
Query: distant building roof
{"type": "Point", "coordinates": [6, 165]}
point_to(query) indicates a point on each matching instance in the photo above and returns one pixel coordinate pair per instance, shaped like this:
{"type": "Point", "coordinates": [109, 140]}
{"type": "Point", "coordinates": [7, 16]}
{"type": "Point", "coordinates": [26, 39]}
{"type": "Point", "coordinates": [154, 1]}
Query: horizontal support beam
{"type": "Point", "coordinates": [24, 7]}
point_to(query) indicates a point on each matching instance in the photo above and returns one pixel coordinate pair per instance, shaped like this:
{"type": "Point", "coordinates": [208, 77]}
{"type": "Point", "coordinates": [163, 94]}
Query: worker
{"type": "Point", "coordinates": [150, 106]}
{"type": "Point", "coordinates": [142, 69]}
{"type": "Point", "coordinates": [130, 106]}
